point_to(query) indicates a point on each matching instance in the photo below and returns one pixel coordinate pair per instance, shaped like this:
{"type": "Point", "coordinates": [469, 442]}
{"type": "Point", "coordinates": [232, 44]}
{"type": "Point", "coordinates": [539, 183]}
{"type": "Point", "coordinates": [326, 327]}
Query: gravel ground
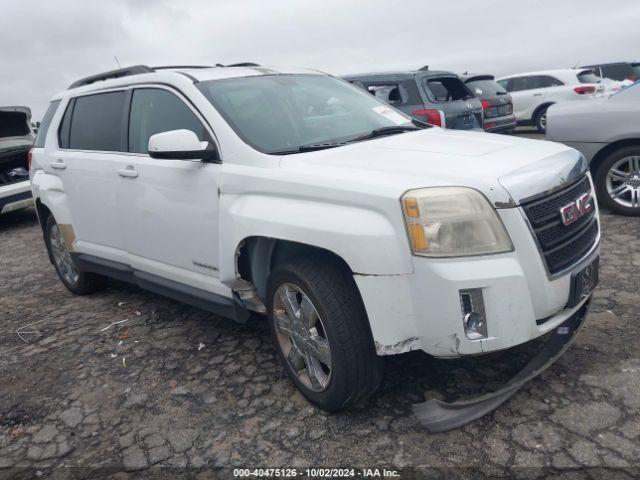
{"type": "Point", "coordinates": [173, 386]}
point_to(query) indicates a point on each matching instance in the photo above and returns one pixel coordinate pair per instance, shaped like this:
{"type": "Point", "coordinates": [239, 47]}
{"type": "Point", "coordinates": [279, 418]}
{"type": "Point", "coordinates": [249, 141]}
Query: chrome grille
{"type": "Point", "coordinates": [562, 245]}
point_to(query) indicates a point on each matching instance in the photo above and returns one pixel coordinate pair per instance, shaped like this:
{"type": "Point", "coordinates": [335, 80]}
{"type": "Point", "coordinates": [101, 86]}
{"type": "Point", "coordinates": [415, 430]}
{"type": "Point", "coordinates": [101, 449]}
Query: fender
{"type": "Point", "coordinates": [48, 189]}
{"type": "Point", "coordinates": [367, 240]}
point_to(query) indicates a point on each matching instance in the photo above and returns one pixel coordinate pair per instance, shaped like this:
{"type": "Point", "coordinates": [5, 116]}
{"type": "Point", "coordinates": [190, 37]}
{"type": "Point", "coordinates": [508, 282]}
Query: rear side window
{"type": "Point", "coordinates": [530, 83]}
{"type": "Point", "coordinates": [65, 126]}
{"type": "Point", "coordinates": [45, 123]}
{"type": "Point", "coordinates": [96, 123]}
{"type": "Point", "coordinates": [447, 89]}
{"type": "Point", "coordinates": [390, 93]}
{"type": "Point", "coordinates": [545, 81]}
{"type": "Point", "coordinates": [154, 110]}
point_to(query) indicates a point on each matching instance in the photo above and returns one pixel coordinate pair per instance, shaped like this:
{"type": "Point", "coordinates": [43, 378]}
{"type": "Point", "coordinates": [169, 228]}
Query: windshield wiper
{"type": "Point", "coordinates": [378, 132]}
{"type": "Point", "coordinates": [388, 130]}
{"type": "Point", "coordinates": [311, 147]}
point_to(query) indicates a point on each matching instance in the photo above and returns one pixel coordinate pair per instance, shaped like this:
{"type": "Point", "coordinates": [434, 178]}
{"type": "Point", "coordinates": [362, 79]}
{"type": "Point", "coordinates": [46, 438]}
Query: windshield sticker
{"type": "Point", "coordinates": [390, 114]}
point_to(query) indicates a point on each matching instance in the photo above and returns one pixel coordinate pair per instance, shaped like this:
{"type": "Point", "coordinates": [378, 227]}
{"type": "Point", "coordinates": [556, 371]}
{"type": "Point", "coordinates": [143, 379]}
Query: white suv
{"type": "Point", "coordinates": [534, 92]}
{"type": "Point", "coordinates": [358, 231]}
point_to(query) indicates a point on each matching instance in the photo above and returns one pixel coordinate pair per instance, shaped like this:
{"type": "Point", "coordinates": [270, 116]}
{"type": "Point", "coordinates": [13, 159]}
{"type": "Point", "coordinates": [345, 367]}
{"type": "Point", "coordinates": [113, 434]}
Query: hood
{"type": "Point", "coordinates": [25, 110]}
{"type": "Point", "coordinates": [15, 128]}
{"type": "Point", "coordinates": [506, 169]}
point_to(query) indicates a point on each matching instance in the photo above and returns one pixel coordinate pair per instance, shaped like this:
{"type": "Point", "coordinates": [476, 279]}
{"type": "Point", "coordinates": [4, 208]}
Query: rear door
{"type": "Point", "coordinates": [462, 110]}
{"type": "Point", "coordinates": [90, 143]}
{"type": "Point", "coordinates": [526, 96]}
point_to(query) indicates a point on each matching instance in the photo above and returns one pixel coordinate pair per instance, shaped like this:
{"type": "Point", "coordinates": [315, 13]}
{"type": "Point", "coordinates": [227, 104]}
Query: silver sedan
{"type": "Point", "coordinates": [607, 131]}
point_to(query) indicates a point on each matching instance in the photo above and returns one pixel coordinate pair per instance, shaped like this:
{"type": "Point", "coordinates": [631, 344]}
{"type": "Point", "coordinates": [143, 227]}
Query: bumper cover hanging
{"type": "Point", "coordinates": [439, 416]}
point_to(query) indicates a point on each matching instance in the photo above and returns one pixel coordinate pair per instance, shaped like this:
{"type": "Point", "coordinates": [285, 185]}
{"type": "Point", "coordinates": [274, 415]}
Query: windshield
{"type": "Point", "coordinates": [588, 77]}
{"type": "Point", "coordinates": [278, 113]}
{"type": "Point", "coordinates": [486, 88]}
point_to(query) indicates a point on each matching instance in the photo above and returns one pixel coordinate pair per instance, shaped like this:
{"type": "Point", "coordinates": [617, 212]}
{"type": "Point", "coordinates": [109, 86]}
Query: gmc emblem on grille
{"type": "Point", "coordinates": [576, 210]}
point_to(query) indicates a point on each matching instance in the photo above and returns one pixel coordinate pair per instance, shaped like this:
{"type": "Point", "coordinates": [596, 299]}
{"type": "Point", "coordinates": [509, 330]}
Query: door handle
{"type": "Point", "coordinates": [130, 172]}
{"type": "Point", "coordinates": [58, 164]}
{"type": "Point", "coordinates": [537, 94]}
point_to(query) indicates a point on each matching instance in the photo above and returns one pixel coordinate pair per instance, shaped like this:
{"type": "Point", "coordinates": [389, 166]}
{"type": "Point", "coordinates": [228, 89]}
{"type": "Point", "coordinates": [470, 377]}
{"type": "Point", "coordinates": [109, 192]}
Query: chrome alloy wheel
{"type": "Point", "coordinates": [623, 182]}
{"type": "Point", "coordinates": [543, 120]}
{"type": "Point", "coordinates": [302, 337]}
{"type": "Point", "coordinates": [61, 256]}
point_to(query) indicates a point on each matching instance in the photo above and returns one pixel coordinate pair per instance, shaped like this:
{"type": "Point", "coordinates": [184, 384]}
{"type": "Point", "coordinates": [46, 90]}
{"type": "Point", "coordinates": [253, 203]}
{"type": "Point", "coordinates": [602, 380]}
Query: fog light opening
{"type": "Point", "coordinates": [473, 314]}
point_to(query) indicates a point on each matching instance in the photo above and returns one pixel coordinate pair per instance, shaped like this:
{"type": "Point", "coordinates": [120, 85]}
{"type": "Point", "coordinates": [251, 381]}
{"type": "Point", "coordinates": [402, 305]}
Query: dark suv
{"type": "Point", "coordinates": [617, 71]}
{"type": "Point", "coordinates": [438, 98]}
{"type": "Point", "coordinates": [496, 103]}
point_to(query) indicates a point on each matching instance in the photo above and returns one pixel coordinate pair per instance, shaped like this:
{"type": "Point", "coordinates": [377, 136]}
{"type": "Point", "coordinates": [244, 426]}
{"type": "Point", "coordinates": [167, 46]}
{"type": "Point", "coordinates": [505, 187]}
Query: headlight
{"type": "Point", "coordinates": [453, 222]}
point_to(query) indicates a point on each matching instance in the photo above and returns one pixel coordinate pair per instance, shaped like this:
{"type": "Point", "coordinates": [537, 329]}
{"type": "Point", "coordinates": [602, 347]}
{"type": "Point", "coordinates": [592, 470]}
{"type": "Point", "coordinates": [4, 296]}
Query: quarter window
{"type": "Point", "coordinates": [96, 123]}
{"type": "Point", "coordinates": [44, 125]}
{"type": "Point", "coordinates": [65, 126]}
{"type": "Point", "coordinates": [154, 110]}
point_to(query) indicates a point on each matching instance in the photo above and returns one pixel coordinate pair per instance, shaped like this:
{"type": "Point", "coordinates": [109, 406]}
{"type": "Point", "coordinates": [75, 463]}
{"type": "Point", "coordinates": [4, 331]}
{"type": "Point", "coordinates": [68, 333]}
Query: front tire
{"type": "Point", "coordinates": [77, 281]}
{"type": "Point", "coordinates": [617, 181]}
{"type": "Point", "coordinates": [322, 333]}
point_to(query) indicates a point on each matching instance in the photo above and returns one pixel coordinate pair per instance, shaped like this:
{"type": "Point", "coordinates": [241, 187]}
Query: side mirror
{"type": "Point", "coordinates": [181, 145]}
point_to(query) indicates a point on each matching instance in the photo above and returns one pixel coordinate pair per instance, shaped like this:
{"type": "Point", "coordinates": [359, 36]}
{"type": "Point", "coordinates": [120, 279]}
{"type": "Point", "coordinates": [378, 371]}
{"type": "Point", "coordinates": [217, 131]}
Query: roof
{"type": "Point", "coordinates": [557, 72]}
{"type": "Point", "coordinates": [474, 77]}
{"type": "Point", "coordinates": [193, 73]}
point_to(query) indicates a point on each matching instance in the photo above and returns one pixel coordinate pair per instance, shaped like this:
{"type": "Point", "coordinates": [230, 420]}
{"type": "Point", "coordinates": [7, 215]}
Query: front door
{"type": "Point", "coordinates": [169, 208]}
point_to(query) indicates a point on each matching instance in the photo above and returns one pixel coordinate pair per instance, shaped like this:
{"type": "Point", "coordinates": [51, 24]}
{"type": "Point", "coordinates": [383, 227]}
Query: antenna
{"type": "Point", "coordinates": [117, 61]}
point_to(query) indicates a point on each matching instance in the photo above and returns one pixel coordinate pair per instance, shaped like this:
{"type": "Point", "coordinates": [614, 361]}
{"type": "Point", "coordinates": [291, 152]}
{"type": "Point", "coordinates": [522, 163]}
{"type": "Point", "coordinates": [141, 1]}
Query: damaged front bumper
{"type": "Point", "coordinates": [439, 416]}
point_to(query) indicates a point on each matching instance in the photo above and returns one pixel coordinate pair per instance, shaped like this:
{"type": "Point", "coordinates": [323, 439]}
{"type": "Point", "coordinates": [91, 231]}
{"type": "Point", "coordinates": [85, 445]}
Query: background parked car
{"type": "Point", "coordinates": [436, 97]}
{"type": "Point", "coordinates": [617, 71]}
{"type": "Point", "coordinates": [534, 92]}
{"type": "Point", "coordinates": [606, 130]}
{"type": "Point", "coordinates": [496, 103]}
{"type": "Point", "coordinates": [16, 139]}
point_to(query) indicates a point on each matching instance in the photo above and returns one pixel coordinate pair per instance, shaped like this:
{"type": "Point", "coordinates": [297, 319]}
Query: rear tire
{"type": "Point", "coordinates": [334, 362]}
{"type": "Point", "coordinates": [540, 120]}
{"type": "Point", "coordinates": [77, 281]}
{"type": "Point", "coordinates": [615, 191]}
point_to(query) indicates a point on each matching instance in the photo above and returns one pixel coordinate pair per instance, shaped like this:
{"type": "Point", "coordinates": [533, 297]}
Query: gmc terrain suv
{"type": "Point", "coordinates": [16, 140]}
{"type": "Point", "coordinates": [358, 231]}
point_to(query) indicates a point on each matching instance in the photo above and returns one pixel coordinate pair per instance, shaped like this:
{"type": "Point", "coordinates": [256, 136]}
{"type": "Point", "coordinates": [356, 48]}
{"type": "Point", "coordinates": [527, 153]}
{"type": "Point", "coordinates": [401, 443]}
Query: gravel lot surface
{"type": "Point", "coordinates": [173, 386]}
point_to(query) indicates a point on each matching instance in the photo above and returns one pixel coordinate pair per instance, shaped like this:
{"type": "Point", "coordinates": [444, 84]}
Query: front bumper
{"type": "Point", "coordinates": [438, 416]}
{"type": "Point", "coordinates": [15, 196]}
{"type": "Point", "coordinates": [422, 310]}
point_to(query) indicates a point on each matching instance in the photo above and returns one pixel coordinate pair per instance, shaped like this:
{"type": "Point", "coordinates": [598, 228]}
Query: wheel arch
{"type": "Point", "coordinates": [604, 152]}
{"type": "Point", "coordinates": [540, 108]}
{"type": "Point", "coordinates": [257, 256]}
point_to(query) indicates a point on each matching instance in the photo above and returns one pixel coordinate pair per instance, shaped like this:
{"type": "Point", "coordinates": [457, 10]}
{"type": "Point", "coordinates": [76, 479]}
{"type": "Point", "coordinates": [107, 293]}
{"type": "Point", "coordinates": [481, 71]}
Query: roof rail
{"type": "Point", "coordinates": [121, 72]}
{"type": "Point", "coordinates": [169, 67]}
{"type": "Point", "coordinates": [241, 64]}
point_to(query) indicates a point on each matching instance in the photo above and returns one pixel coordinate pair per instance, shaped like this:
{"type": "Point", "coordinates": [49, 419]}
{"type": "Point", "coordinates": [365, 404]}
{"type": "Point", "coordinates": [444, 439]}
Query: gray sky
{"type": "Point", "coordinates": [45, 45]}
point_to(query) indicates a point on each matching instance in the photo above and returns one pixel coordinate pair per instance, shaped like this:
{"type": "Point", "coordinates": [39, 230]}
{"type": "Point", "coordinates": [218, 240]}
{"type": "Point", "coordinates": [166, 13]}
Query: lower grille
{"type": "Point", "coordinates": [562, 245]}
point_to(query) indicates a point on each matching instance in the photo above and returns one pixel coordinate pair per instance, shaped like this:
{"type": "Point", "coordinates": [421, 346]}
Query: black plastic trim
{"type": "Point", "coordinates": [4, 201]}
{"type": "Point", "coordinates": [439, 416]}
{"type": "Point", "coordinates": [119, 73]}
{"type": "Point", "coordinates": [223, 306]}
